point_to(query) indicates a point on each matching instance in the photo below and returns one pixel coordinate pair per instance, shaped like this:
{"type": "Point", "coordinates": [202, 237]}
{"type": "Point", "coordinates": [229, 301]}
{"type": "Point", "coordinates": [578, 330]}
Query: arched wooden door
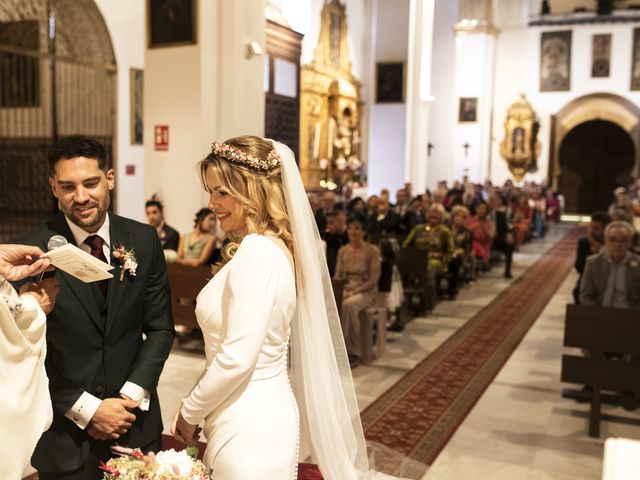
{"type": "Point", "coordinates": [595, 157]}
{"type": "Point", "coordinates": [57, 78]}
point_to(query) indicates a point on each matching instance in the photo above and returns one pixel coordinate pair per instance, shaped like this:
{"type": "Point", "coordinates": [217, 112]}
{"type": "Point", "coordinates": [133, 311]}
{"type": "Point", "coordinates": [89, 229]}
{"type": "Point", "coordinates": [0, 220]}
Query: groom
{"type": "Point", "coordinates": [107, 341]}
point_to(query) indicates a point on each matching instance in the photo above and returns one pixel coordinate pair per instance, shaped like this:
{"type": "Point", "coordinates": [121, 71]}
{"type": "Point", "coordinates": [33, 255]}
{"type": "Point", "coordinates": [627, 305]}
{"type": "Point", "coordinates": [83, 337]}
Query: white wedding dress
{"type": "Point", "coordinates": [244, 396]}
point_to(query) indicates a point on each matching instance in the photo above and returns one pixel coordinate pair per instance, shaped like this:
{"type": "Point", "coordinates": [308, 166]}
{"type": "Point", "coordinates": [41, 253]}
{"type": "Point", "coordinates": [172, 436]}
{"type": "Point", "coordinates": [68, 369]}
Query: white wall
{"type": "Point", "coordinates": [125, 22]}
{"type": "Point", "coordinates": [443, 110]}
{"type": "Point", "coordinates": [204, 92]}
{"type": "Point", "coordinates": [387, 121]}
{"type": "Point", "coordinates": [517, 67]}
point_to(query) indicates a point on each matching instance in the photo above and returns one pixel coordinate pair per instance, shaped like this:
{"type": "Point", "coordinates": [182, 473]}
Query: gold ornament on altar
{"type": "Point", "coordinates": [330, 108]}
{"type": "Point", "coordinates": [520, 146]}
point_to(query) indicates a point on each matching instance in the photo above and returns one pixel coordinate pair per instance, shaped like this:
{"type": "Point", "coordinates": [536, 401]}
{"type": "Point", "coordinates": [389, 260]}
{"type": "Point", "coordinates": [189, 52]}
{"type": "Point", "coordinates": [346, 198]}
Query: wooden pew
{"type": "Point", "coordinates": [599, 330]}
{"type": "Point", "coordinates": [413, 264]}
{"type": "Point", "coordinates": [186, 283]}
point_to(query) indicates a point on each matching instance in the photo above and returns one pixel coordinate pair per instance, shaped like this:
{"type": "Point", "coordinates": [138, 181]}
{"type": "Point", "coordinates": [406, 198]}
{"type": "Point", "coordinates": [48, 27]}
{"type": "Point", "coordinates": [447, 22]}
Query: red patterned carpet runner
{"type": "Point", "coordinates": [418, 415]}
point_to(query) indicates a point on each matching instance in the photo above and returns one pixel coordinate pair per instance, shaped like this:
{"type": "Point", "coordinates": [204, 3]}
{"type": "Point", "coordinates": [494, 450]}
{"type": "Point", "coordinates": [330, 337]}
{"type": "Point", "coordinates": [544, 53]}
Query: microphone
{"type": "Point", "coordinates": [54, 242]}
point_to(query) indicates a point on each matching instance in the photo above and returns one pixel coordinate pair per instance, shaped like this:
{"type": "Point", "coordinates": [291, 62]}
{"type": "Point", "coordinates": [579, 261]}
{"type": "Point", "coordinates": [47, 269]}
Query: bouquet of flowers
{"type": "Point", "coordinates": [132, 464]}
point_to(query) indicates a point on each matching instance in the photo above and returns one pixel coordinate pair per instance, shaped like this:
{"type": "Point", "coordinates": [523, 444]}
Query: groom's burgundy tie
{"type": "Point", "coordinates": [96, 243]}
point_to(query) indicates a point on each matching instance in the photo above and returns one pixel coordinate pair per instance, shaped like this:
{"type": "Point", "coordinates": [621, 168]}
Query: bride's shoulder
{"type": "Point", "coordinates": [262, 247]}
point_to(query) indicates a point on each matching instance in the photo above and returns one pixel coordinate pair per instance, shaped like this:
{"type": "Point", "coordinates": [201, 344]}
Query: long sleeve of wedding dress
{"type": "Point", "coordinates": [246, 309]}
{"type": "Point", "coordinates": [25, 405]}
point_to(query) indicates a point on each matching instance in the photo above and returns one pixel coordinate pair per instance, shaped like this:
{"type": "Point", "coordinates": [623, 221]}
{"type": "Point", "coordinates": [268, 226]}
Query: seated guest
{"type": "Point", "coordinates": [414, 216]}
{"type": "Point", "coordinates": [482, 231]}
{"type": "Point", "coordinates": [462, 248]}
{"type": "Point", "coordinates": [335, 237]}
{"type": "Point", "coordinates": [553, 206]}
{"type": "Point", "coordinates": [196, 247]}
{"type": "Point", "coordinates": [612, 277]}
{"type": "Point", "coordinates": [402, 202]}
{"type": "Point", "coordinates": [590, 245]}
{"type": "Point", "coordinates": [328, 205]}
{"type": "Point", "coordinates": [356, 204]}
{"type": "Point", "coordinates": [435, 237]}
{"type": "Point", "coordinates": [169, 237]}
{"type": "Point", "coordinates": [503, 241]}
{"type": "Point", "coordinates": [385, 223]}
{"type": "Point", "coordinates": [358, 266]}
{"type": "Point", "coordinates": [522, 218]}
{"type": "Point", "coordinates": [372, 205]}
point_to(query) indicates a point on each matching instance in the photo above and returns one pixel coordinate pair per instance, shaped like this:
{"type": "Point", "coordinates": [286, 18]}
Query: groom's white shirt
{"type": "Point", "coordinates": [85, 407]}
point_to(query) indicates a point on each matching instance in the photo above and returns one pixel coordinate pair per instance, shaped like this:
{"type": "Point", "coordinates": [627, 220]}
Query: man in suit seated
{"type": "Point", "coordinates": [612, 277]}
{"type": "Point", "coordinates": [169, 237]}
{"type": "Point", "coordinates": [589, 245]}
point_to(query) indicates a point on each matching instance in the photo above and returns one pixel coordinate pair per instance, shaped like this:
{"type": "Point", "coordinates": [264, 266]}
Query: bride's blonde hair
{"type": "Point", "coordinates": [259, 192]}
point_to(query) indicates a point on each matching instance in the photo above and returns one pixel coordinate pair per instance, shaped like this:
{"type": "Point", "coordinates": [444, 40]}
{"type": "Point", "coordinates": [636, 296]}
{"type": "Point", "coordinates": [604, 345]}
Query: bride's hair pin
{"type": "Point", "coordinates": [235, 155]}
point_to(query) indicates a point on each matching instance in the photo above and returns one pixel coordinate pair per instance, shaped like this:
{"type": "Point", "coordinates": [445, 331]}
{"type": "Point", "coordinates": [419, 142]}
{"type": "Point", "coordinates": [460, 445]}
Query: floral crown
{"type": "Point", "coordinates": [236, 155]}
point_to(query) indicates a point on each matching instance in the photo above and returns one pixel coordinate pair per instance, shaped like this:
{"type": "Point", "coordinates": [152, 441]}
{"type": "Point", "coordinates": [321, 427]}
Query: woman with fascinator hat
{"type": "Point", "coordinates": [271, 292]}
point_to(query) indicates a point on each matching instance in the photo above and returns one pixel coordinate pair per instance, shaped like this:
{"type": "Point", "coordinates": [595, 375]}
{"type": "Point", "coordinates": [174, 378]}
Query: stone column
{"type": "Point", "coordinates": [418, 92]}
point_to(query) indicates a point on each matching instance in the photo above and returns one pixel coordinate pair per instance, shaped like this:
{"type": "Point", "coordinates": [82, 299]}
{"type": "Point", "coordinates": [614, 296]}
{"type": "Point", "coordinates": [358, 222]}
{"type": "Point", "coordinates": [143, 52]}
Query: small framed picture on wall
{"type": "Point", "coordinates": [390, 82]}
{"type": "Point", "coordinates": [468, 110]}
{"type": "Point", "coordinates": [171, 23]}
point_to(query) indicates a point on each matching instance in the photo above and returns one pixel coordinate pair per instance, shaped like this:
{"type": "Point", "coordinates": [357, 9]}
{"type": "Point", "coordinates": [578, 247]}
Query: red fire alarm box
{"type": "Point", "coordinates": [161, 137]}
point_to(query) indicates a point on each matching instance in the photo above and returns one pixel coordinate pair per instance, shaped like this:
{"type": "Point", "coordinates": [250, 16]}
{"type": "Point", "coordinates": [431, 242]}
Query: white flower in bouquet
{"type": "Point", "coordinates": [167, 459]}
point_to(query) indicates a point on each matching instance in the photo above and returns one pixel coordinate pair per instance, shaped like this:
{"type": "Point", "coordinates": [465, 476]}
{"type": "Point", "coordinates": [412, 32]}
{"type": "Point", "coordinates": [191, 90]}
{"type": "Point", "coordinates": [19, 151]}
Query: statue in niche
{"type": "Point", "coordinates": [520, 146]}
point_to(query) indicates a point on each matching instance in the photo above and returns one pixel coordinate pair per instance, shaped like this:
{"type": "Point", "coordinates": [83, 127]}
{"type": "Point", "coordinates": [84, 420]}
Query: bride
{"type": "Point", "coordinates": [272, 288]}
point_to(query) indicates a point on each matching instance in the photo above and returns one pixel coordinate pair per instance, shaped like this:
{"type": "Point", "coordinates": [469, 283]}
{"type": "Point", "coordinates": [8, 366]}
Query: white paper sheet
{"type": "Point", "coordinates": [80, 264]}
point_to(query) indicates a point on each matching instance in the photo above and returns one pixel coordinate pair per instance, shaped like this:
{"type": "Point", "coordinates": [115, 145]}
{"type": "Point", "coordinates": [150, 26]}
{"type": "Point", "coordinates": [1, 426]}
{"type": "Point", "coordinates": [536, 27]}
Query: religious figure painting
{"type": "Point", "coordinates": [390, 83]}
{"type": "Point", "coordinates": [171, 22]}
{"type": "Point", "coordinates": [601, 55]}
{"type": "Point", "coordinates": [555, 61]}
{"type": "Point", "coordinates": [635, 60]}
{"type": "Point", "coordinates": [468, 110]}
{"type": "Point", "coordinates": [135, 92]}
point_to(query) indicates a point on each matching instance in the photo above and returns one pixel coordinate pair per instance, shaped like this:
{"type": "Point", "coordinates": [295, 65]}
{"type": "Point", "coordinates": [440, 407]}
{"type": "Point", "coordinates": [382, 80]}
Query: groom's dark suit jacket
{"type": "Point", "coordinates": [97, 345]}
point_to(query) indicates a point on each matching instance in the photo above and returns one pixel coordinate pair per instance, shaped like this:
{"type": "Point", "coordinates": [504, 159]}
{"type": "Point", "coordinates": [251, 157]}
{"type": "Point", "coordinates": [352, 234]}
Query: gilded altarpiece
{"type": "Point", "coordinates": [330, 109]}
{"type": "Point", "coordinates": [520, 146]}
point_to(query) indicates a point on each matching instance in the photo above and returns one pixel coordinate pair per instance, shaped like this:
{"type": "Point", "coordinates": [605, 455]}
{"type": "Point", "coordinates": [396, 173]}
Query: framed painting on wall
{"type": "Point", "coordinates": [468, 110]}
{"type": "Point", "coordinates": [389, 83]}
{"type": "Point", "coordinates": [635, 60]}
{"type": "Point", "coordinates": [601, 55]}
{"type": "Point", "coordinates": [135, 95]}
{"type": "Point", "coordinates": [171, 23]}
{"type": "Point", "coordinates": [555, 61]}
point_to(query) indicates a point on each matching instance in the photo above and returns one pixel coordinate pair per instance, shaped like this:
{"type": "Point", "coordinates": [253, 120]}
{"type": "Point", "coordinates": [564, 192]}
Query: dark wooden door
{"type": "Point", "coordinates": [596, 157]}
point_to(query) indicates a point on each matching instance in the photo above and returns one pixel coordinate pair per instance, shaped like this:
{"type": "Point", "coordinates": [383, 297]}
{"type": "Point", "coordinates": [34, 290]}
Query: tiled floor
{"type": "Point", "coordinates": [520, 429]}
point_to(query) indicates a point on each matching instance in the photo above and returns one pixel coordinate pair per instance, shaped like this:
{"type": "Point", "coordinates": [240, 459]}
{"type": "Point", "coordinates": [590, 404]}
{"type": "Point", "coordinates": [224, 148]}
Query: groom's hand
{"type": "Point", "coordinates": [112, 419]}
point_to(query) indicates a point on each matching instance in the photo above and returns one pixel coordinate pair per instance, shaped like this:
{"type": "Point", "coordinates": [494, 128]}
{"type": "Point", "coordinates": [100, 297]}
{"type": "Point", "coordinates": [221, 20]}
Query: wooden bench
{"type": "Point", "coordinates": [412, 264]}
{"type": "Point", "coordinates": [186, 283]}
{"type": "Point", "coordinates": [601, 330]}
{"type": "Point", "coordinates": [370, 349]}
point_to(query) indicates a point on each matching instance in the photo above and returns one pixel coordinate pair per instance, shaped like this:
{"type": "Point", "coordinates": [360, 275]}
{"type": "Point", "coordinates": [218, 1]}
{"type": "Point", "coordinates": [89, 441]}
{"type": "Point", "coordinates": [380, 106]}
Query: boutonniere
{"type": "Point", "coordinates": [634, 264]}
{"type": "Point", "coordinates": [127, 259]}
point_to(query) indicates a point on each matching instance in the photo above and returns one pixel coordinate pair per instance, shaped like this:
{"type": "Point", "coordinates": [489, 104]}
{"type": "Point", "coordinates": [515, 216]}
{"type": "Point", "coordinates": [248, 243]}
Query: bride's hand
{"type": "Point", "coordinates": [181, 430]}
